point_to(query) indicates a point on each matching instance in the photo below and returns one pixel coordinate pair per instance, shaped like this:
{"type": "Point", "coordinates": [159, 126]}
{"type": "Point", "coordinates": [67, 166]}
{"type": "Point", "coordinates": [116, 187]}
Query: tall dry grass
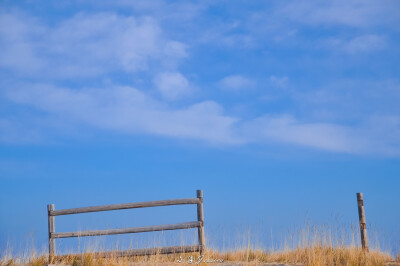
{"type": "Point", "coordinates": [306, 246]}
{"type": "Point", "coordinates": [317, 255]}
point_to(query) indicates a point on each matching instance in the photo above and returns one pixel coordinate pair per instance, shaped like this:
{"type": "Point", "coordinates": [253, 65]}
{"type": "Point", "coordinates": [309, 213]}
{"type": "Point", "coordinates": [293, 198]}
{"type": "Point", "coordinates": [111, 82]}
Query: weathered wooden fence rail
{"type": "Point", "coordinates": [199, 224]}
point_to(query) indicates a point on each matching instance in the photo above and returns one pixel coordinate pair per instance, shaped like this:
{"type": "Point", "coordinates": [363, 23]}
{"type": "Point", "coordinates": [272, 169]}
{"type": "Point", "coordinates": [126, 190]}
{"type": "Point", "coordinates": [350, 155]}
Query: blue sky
{"type": "Point", "coordinates": [279, 110]}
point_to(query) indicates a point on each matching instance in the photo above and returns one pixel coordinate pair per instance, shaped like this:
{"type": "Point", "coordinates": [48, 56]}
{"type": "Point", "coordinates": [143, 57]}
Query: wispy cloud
{"type": "Point", "coordinates": [349, 100]}
{"type": "Point", "coordinates": [287, 129]}
{"type": "Point", "coordinates": [379, 135]}
{"type": "Point", "coordinates": [85, 45]}
{"type": "Point", "coordinates": [172, 85]}
{"type": "Point", "coordinates": [343, 13]}
{"type": "Point", "coordinates": [126, 110]}
{"type": "Point", "coordinates": [18, 36]}
{"type": "Point", "coordinates": [236, 83]}
{"type": "Point", "coordinates": [123, 74]}
{"type": "Point", "coordinates": [358, 44]}
{"type": "Point", "coordinates": [228, 34]}
{"type": "Point", "coordinates": [281, 82]}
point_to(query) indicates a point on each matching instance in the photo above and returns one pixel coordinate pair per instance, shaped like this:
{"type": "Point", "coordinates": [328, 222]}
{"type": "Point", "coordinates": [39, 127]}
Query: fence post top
{"type": "Point", "coordinates": [199, 193]}
{"type": "Point", "coordinates": [360, 196]}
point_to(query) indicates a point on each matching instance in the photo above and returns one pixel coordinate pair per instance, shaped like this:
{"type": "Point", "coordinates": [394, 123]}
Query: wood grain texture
{"type": "Point", "coordinates": [152, 251]}
{"type": "Point", "coordinates": [141, 252]}
{"type": "Point", "coordinates": [125, 206]}
{"type": "Point", "coordinates": [52, 229]}
{"type": "Point", "coordinates": [362, 221]}
{"type": "Point", "coordinates": [164, 250]}
{"type": "Point", "coordinates": [128, 230]}
{"type": "Point", "coordinates": [200, 218]}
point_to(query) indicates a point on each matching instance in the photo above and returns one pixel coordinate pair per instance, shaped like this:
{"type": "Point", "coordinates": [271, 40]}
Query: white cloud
{"type": "Point", "coordinates": [338, 117]}
{"type": "Point", "coordinates": [379, 135]}
{"type": "Point", "coordinates": [17, 37]}
{"type": "Point", "coordinates": [358, 44]}
{"type": "Point", "coordinates": [127, 110]}
{"type": "Point", "coordinates": [358, 13]}
{"type": "Point", "coordinates": [350, 100]}
{"type": "Point", "coordinates": [176, 11]}
{"type": "Point", "coordinates": [365, 43]}
{"type": "Point", "coordinates": [281, 82]}
{"type": "Point", "coordinates": [172, 85]}
{"type": "Point", "coordinates": [85, 45]}
{"type": "Point", "coordinates": [236, 83]}
{"type": "Point", "coordinates": [286, 129]}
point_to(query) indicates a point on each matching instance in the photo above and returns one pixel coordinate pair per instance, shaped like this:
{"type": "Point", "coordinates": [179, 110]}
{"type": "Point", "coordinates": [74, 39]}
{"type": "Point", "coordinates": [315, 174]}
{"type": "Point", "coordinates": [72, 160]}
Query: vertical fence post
{"type": "Point", "coordinates": [200, 218]}
{"type": "Point", "coordinates": [52, 248]}
{"type": "Point", "coordinates": [362, 220]}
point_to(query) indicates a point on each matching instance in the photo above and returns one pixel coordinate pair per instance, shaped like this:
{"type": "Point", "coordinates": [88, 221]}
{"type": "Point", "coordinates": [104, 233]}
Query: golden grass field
{"type": "Point", "coordinates": [317, 255]}
{"type": "Point", "coordinates": [311, 247]}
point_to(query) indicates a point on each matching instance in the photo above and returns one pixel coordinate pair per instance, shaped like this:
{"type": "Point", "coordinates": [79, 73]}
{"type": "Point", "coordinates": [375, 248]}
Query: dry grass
{"type": "Point", "coordinates": [317, 255]}
{"type": "Point", "coordinates": [309, 246]}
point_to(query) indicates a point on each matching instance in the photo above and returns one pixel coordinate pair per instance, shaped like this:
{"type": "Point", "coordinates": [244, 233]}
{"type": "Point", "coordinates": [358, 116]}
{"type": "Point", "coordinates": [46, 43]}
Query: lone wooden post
{"type": "Point", "coordinates": [362, 220]}
{"type": "Point", "coordinates": [200, 218]}
{"type": "Point", "coordinates": [52, 248]}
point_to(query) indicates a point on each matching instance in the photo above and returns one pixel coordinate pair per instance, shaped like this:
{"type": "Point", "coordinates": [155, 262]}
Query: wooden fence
{"type": "Point", "coordinates": [199, 224]}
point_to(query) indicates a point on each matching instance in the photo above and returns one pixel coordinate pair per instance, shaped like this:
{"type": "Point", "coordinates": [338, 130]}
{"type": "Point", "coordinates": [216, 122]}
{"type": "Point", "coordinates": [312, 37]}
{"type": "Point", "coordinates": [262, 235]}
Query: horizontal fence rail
{"type": "Point", "coordinates": [151, 251]}
{"type": "Point", "coordinates": [141, 252]}
{"type": "Point", "coordinates": [128, 230]}
{"type": "Point", "coordinates": [199, 224]}
{"type": "Point", "coordinates": [124, 206]}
